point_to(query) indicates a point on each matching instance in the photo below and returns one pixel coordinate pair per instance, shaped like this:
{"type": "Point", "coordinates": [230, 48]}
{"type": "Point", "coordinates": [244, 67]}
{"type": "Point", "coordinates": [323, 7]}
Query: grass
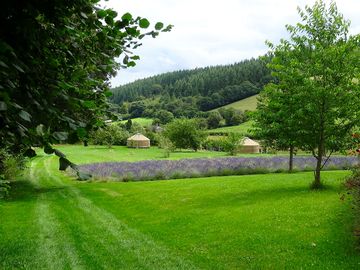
{"type": "Point", "coordinates": [268, 221]}
{"type": "Point", "coordinates": [248, 104]}
{"type": "Point", "coordinates": [140, 120]}
{"type": "Point", "coordinates": [96, 153]}
{"type": "Point", "coordinates": [242, 128]}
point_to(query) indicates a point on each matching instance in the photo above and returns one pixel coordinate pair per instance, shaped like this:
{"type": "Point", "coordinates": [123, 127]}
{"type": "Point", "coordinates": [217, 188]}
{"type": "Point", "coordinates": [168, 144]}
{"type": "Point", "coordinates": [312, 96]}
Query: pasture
{"type": "Point", "coordinates": [246, 104]}
{"type": "Point", "coordinates": [271, 221]}
{"type": "Point", "coordinates": [243, 128]}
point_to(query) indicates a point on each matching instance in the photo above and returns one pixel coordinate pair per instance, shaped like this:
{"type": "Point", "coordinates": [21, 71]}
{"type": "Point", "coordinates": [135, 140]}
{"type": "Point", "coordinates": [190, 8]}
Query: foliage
{"type": "Point", "coordinates": [10, 168]}
{"type": "Point", "coordinates": [185, 133]}
{"type": "Point", "coordinates": [214, 119]}
{"type": "Point", "coordinates": [187, 92]}
{"type": "Point", "coordinates": [166, 145]}
{"type": "Point", "coordinates": [110, 135]}
{"type": "Point", "coordinates": [315, 105]}
{"type": "Point", "coordinates": [232, 143]}
{"type": "Point", "coordinates": [232, 116]}
{"type": "Point", "coordinates": [164, 117]}
{"type": "Point", "coordinates": [55, 60]}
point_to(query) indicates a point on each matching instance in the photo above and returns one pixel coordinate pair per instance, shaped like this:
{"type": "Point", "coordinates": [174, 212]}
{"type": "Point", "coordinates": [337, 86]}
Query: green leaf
{"type": "Point", "coordinates": [109, 20]}
{"type": "Point", "coordinates": [83, 15]}
{"type": "Point", "coordinates": [90, 104]}
{"type": "Point", "coordinates": [101, 13]}
{"type": "Point", "coordinates": [127, 16]}
{"type": "Point", "coordinates": [25, 115]}
{"type": "Point", "coordinates": [112, 13]}
{"type": "Point", "coordinates": [131, 64]}
{"type": "Point", "coordinates": [40, 130]}
{"type": "Point", "coordinates": [60, 136]}
{"type": "Point", "coordinates": [18, 68]}
{"type": "Point", "coordinates": [135, 57]}
{"type": "Point", "coordinates": [159, 26]}
{"type": "Point", "coordinates": [144, 23]}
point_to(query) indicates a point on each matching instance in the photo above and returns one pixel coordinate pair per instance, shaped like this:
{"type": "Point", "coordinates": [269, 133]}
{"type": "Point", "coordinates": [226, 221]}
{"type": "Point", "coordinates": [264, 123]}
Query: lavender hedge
{"type": "Point", "coordinates": [185, 168]}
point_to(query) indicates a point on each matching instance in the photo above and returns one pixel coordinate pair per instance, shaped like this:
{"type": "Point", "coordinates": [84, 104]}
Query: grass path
{"type": "Point", "coordinates": [74, 233]}
{"type": "Point", "coordinates": [235, 222]}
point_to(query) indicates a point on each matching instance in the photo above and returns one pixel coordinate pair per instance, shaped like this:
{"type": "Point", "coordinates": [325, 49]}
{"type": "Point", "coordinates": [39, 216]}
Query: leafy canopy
{"type": "Point", "coordinates": [316, 102]}
{"type": "Point", "coordinates": [55, 61]}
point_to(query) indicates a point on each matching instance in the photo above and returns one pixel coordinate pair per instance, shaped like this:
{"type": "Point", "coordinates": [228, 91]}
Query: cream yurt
{"type": "Point", "coordinates": [250, 146]}
{"type": "Point", "coordinates": [138, 141]}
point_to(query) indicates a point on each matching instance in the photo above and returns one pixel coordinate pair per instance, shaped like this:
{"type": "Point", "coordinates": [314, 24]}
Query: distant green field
{"type": "Point", "coordinates": [97, 153]}
{"type": "Point", "coordinates": [142, 121]}
{"type": "Point", "coordinates": [242, 128]}
{"type": "Point", "coordinates": [244, 104]}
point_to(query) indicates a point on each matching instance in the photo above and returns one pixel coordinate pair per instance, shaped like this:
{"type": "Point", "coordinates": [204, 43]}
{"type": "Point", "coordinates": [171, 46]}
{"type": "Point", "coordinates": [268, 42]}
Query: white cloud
{"type": "Point", "coordinates": [213, 32]}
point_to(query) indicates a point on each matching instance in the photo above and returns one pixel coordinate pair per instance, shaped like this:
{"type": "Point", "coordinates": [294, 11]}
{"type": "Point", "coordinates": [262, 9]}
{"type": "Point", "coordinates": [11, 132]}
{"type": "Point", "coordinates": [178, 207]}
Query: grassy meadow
{"type": "Point", "coordinates": [140, 120]}
{"type": "Point", "coordinates": [242, 128]}
{"type": "Point", "coordinates": [270, 221]}
{"type": "Point", "coordinates": [246, 104]}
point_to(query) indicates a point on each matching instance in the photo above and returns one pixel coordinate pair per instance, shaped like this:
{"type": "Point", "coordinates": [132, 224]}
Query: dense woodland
{"type": "Point", "coordinates": [186, 92]}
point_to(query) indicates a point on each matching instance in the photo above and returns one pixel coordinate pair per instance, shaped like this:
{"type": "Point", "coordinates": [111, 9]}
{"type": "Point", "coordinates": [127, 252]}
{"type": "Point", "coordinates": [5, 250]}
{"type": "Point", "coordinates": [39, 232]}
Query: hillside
{"type": "Point", "coordinates": [246, 104]}
{"type": "Point", "coordinates": [187, 93]}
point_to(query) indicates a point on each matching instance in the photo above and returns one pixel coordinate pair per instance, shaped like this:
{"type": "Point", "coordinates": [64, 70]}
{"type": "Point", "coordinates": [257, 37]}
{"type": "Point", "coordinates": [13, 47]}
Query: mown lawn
{"type": "Point", "coordinates": [98, 153]}
{"type": "Point", "coordinates": [239, 222]}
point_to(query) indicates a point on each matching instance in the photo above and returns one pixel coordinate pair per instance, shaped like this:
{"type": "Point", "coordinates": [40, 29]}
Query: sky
{"type": "Point", "coordinates": [212, 32]}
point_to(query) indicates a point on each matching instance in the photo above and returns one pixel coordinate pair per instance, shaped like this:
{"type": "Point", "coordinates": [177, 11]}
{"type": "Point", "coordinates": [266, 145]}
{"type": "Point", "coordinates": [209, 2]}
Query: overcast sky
{"type": "Point", "coordinates": [209, 32]}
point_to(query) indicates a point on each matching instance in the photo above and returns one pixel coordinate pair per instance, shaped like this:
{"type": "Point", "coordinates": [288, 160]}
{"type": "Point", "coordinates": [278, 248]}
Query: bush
{"type": "Point", "coordinates": [232, 143]}
{"type": "Point", "coordinates": [10, 167]}
{"type": "Point", "coordinates": [353, 184]}
{"type": "Point", "coordinates": [167, 145]}
{"type": "Point", "coordinates": [109, 135]}
{"type": "Point", "coordinates": [185, 133]}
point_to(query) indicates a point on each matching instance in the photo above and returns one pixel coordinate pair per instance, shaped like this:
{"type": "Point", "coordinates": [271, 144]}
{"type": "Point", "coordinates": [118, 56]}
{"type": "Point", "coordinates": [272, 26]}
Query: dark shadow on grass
{"type": "Point", "coordinates": [23, 190]}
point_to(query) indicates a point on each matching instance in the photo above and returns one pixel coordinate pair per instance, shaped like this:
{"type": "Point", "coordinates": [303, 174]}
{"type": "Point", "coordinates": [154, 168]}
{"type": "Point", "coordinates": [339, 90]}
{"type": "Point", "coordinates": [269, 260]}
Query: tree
{"type": "Point", "coordinates": [214, 119]}
{"type": "Point", "coordinates": [55, 61]}
{"type": "Point", "coordinates": [318, 92]}
{"type": "Point", "coordinates": [185, 133]}
{"type": "Point", "coordinates": [232, 143]}
{"type": "Point", "coordinates": [275, 121]}
{"type": "Point", "coordinates": [164, 116]}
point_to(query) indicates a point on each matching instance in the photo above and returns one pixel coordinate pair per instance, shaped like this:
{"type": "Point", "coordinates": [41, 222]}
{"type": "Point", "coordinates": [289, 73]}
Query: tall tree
{"type": "Point", "coordinates": [55, 61]}
{"type": "Point", "coordinates": [318, 92]}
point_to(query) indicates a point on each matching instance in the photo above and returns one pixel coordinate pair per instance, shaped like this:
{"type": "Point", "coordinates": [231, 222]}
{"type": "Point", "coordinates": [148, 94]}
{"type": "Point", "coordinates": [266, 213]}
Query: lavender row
{"type": "Point", "coordinates": [168, 169]}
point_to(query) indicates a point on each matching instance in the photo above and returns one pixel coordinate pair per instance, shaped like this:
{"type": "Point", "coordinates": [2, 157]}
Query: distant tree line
{"type": "Point", "coordinates": [186, 92]}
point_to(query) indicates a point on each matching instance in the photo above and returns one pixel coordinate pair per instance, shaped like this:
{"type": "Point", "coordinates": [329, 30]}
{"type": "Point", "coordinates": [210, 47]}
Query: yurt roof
{"type": "Point", "coordinates": [138, 137]}
{"type": "Point", "coordinates": [250, 142]}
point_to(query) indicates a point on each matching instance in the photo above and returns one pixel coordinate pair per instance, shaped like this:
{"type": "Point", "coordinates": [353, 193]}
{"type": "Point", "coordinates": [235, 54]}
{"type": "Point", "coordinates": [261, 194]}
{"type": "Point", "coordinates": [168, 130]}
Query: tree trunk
{"type": "Point", "coordinates": [291, 158]}
{"type": "Point", "coordinates": [317, 181]}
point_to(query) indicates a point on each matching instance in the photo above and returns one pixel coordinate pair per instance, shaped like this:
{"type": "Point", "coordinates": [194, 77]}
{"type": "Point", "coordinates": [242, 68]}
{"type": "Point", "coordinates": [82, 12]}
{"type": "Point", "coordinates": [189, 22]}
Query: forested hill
{"type": "Point", "coordinates": [198, 89]}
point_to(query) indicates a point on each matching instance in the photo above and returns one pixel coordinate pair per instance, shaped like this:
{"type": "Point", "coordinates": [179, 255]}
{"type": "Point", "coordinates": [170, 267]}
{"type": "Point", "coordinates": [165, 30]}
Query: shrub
{"type": "Point", "coordinates": [353, 184]}
{"type": "Point", "coordinates": [109, 135]}
{"type": "Point", "coordinates": [166, 145]}
{"type": "Point", "coordinates": [10, 167]}
{"type": "Point", "coordinates": [232, 143]}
